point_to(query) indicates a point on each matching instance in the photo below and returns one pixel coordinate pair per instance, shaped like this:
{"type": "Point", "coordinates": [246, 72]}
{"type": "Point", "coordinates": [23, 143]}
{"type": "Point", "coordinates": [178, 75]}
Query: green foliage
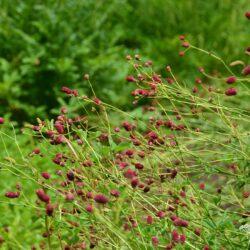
{"type": "Point", "coordinates": [49, 44]}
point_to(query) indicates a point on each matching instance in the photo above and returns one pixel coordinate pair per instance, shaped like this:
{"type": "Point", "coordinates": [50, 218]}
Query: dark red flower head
{"type": "Point", "coordinates": [70, 175]}
{"type": "Point", "coordinates": [89, 208]}
{"type": "Point", "coordinates": [45, 175]}
{"type": "Point", "coordinates": [246, 70]}
{"type": "Point", "coordinates": [42, 195]}
{"type": "Point", "coordinates": [101, 198]}
{"type": "Point", "coordinates": [231, 91]}
{"type": "Point", "coordinates": [247, 14]}
{"type": "Point", "coordinates": [12, 194]}
{"type": "Point", "coordinates": [131, 79]}
{"type": "Point", "coordinates": [155, 241]}
{"type": "Point", "coordinates": [149, 219]}
{"type": "Point", "coordinates": [115, 193]}
{"type": "Point", "coordinates": [175, 235]}
{"type": "Point", "coordinates": [49, 209]}
{"type": "Point", "coordinates": [185, 45]}
{"type": "Point", "coordinates": [134, 182]}
{"type": "Point", "coordinates": [231, 79]}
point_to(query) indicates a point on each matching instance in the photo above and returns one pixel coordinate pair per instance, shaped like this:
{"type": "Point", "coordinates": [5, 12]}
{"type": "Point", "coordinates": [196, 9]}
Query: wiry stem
{"type": "Point", "coordinates": [47, 231]}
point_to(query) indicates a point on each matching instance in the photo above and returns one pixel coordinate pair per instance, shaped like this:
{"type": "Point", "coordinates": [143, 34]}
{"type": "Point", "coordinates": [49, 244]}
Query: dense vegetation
{"type": "Point", "coordinates": [47, 44]}
{"type": "Point", "coordinates": [124, 125]}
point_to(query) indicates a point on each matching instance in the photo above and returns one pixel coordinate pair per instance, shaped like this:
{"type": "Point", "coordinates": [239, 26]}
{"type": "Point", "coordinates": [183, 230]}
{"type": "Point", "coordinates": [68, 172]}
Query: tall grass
{"type": "Point", "coordinates": [172, 174]}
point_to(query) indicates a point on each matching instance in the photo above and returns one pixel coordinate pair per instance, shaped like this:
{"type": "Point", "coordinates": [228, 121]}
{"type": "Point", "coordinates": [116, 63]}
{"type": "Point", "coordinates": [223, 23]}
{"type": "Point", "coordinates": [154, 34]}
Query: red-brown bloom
{"type": "Point", "coordinates": [42, 195]}
{"type": "Point", "coordinates": [89, 208]}
{"type": "Point", "coordinates": [12, 195]}
{"type": "Point", "coordinates": [175, 235]}
{"type": "Point", "coordinates": [139, 166]}
{"type": "Point", "coordinates": [49, 209]}
{"type": "Point", "coordinates": [181, 223]}
{"type": "Point", "coordinates": [70, 175]}
{"type": "Point", "coordinates": [1, 120]}
{"type": "Point", "coordinates": [185, 45]}
{"type": "Point", "coordinates": [155, 241]}
{"type": "Point", "coordinates": [149, 219]}
{"type": "Point", "coordinates": [247, 14]}
{"type": "Point", "coordinates": [134, 182]}
{"type": "Point", "coordinates": [130, 79]}
{"type": "Point", "coordinates": [115, 193]}
{"type": "Point", "coordinates": [101, 198]}
{"type": "Point", "coordinates": [231, 79]}
{"type": "Point", "coordinates": [246, 70]}
{"type": "Point", "coordinates": [45, 175]}
{"type": "Point", "coordinates": [231, 92]}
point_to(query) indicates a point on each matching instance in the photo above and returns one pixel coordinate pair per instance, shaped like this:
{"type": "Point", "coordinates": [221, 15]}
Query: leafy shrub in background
{"type": "Point", "coordinates": [171, 174]}
{"type": "Point", "coordinates": [47, 44]}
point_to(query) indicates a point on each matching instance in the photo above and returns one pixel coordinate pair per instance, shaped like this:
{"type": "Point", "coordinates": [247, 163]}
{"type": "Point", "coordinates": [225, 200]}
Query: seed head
{"type": "Point", "coordinates": [128, 57]}
{"type": "Point", "coordinates": [168, 68]}
{"type": "Point", "coordinates": [137, 57]}
{"type": "Point", "coordinates": [86, 77]}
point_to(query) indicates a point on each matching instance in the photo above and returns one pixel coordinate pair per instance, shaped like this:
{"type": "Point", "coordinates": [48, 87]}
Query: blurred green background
{"type": "Point", "coordinates": [47, 44]}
